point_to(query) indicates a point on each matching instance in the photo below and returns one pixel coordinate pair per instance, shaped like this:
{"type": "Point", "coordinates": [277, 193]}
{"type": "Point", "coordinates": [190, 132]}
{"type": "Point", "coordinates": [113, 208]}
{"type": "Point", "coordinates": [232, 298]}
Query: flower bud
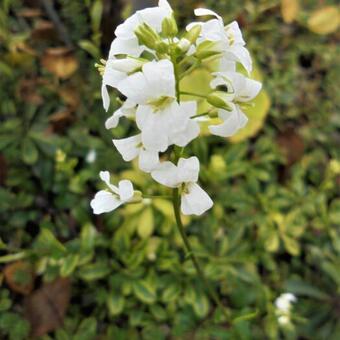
{"type": "Point", "coordinates": [137, 197]}
{"type": "Point", "coordinates": [193, 34]}
{"type": "Point", "coordinates": [184, 45]}
{"type": "Point", "coordinates": [169, 27]}
{"type": "Point", "coordinates": [216, 99]}
{"type": "Point", "coordinates": [147, 36]}
{"type": "Point", "coordinates": [127, 65]}
{"type": "Point", "coordinates": [162, 47]}
{"type": "Point", "coordinates": [206, 49]}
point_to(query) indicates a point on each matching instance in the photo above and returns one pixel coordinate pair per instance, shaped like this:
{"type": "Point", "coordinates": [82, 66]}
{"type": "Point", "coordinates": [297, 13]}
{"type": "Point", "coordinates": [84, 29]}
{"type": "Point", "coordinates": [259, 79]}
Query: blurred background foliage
{"type": "Point", "coordinates": [67, 274]}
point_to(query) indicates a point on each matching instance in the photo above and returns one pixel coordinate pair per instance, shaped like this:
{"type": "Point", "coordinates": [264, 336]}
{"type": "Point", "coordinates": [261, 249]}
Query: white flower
{"type": "Point", "coordinates": [154, 82]}
{"type": "Point", "coordinates": [128, 109]}
{"type": "Point", "coordinates": [239, 89]}
{"type": "Point", "coordinates": [126, 41]}
{"type": "Point", "coordinates": [132, 147]}
{"type": "Point", "coordinates": [91, 156]}
{"type": "Point", "coordinates": [228, 38]}
{"type": "Point", "coordinates": [194, 200]}
{"type": "Point", "coordinates": [108, 200]}
{"type": "Point", "coordinates": [115, 71]}
{"type": "Point", "coordinates": [284, 302]}
{"type": "Point", "coordinates": [160, 118]}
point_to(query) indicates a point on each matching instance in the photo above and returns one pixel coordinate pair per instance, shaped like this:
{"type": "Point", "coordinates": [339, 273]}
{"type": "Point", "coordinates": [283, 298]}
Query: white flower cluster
{"type": "Point", "coordinates": [145, 64]}
{"type": "Point", "coordinates": [284, 307]}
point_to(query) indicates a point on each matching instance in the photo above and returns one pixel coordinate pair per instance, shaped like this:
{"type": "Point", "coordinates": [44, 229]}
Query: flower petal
{"type": "Point", "coordinates": [125, 190]}
{"type": "Point", "coordinates": [104, 201]}
{"type": "Point", "coordinates": [129, 147]}
{"type": "Point", "coordinates": [204, 11]}
{"type": "Point", "coordinates": [196, 201]}
{"type": "Point", "coordinates": [105, 177]}
{"type": "Point", "coordinates": [183, 138]}
{"type": "Point", "coordinates": [188, 169]}
{"type": "Point", "coordinates": [112, 122]}
{"type": "Point", "coordinates": [166, 174]}
{"type": "Point", "coordinates": [148, 160]}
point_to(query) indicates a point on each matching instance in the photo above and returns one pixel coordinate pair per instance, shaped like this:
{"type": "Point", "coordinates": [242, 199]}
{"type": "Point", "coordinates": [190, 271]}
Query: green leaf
{"type": "Point", "coordinates": [47, 243]}
{"type": "Point", "coordinates": [90, 48]}
{"type": "Point", "coordinates": [87, 330]}
{"type": "Point", "coordinates": [144, 291]}
{"type": "Point", "coordinates": [96, 15]}
{"type": "Point", "coordinates": [87, 237]}
{"type": "Point", "coordinates": [69, 265]}
{"type": "Point", "coordinates": [272, 241]}
{"type": "Point", "coordinates": [291, 245]}
{"type": "Point", "coordinates": [115, 303]}
{"type": "Point", "coordinates": [303, 288]}
{"type": "Point", "coordinates": [171, 292]}
{"type": "Point", "coordinates": [29, 152]}
{"type": "Point", "coordinates": [164, 206]}
{"type": "Point", "coordinates": [146, 223]}
{"type": "Point", "coordinates": [94, 271]}
{"type": "Point", "coordinates": [201, 305]}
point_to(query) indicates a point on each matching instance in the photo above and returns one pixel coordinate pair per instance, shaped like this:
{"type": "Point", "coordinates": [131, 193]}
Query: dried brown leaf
{"type": "Point", "coordinates": [19, 277]}
{"type": "Point", "coordinates": [60, 61]}
{"type": "Point", "coordinates": [292, 146]}
{"type": "Point", "coordinates": [46, 307]}
{"type": "Point", "coordinates": [30, 12]}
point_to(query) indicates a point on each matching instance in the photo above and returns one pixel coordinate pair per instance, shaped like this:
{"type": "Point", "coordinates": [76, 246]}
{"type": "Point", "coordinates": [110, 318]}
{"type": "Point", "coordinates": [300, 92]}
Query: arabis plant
{"type": "Point", "coordinates": [147, 60]}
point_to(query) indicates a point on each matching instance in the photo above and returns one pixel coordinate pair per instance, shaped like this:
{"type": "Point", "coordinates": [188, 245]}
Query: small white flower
{"type": "Point", "coordinates": [240, 89]}
{"type": "Point", "coordinates": [91, 156]}
{"type": "Point", "coordinates": [108, 200]}
{"type": "Point", "coordinates": [128, 109]}
{"type": "Point", "coordinates": [132, 147]}
{"type": "Point", "coordinates": [284, 302]}
{"type": "Point", "coordinates": [194, 200]}
{"type": "Point", "coordinates": [228, 38]}
{"type": "Point", "coordinates": [126, 41]}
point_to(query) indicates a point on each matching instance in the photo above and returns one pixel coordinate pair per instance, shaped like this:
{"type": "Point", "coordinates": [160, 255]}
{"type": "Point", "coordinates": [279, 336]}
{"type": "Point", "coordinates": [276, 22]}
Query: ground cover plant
{"type": "Point", "coordinates": [274, 226]}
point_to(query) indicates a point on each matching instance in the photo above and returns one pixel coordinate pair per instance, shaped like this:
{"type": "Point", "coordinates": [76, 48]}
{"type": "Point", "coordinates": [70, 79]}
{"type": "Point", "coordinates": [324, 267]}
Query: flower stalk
{"type": "Point", "coordinates": [190, 253]}
{"type": "Point", "coordinates": [176, 207]}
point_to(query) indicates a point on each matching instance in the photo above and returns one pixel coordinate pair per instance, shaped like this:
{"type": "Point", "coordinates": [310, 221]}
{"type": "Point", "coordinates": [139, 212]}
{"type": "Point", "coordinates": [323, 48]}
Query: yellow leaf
{"type": "Point", "coordinates": [146, 223]}
{"type": "Point", "coordinates": [289, 10]}
{"type": "Point", "coordinates": [324, 20]}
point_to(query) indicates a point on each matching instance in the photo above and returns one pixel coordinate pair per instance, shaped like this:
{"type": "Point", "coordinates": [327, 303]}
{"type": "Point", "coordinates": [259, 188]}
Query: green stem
{"type": "Point", "coordinates": [156, 196]}
{"type": "Point", "coordinates": [189, 70]}
{"type": "Point", "coordinates": [190, 253]}
{"type": "Point", "coordinates": [194, 94]}
{"type": "Point", "coordinates": [201, 115]}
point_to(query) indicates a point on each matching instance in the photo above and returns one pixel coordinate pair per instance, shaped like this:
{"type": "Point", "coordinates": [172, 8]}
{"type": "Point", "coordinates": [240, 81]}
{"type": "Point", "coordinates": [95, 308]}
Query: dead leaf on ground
{"type": "Point", "coordinates": [19, 277]}
{"type": "Point", "coordinates": [30, 12]}
{"type": "Point", "coordinates": [61, 120]}
{"type": "Point", "coordinates": [289, 10]}
{"type": "Point", "coordinates": [44, 30]}
{"type": "Point", "coordinates": [60, 61]}
{"type": "Point", "coordinates": [27, 91]}
{"type": "Point", "coordinates": [70, 96]}
{"type": "Point", "coordinates": [292, 146]}
{"type": "Point", "coordinates": [46, 307]}
{"type": "Point", "coordinates": [324, 20]}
